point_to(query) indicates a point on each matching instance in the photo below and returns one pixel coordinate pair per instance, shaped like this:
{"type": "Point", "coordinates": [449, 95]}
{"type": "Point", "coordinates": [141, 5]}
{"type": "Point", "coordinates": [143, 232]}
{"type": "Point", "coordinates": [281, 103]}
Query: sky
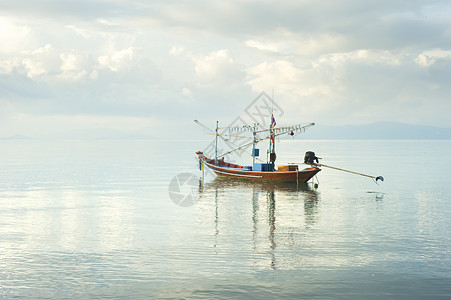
{"type": "Point", "coordinates": [85, 67]}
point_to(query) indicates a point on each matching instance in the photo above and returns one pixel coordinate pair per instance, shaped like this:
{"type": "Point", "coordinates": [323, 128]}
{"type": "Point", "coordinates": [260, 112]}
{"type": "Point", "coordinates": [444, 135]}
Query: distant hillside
{"type": "Point", "coordinates": [385, 130]}
{"type": "Point", "coordinates": [17, 137]}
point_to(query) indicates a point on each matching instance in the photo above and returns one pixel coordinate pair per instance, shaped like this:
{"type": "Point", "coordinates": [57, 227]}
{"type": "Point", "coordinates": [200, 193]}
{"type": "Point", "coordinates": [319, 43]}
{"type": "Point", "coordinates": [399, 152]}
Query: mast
{"type": "Point", "coordinates": [272, 144]}
{"type": "Point", "coordinates": [268, 153]}
{"type": "Point", "coordinates": [254, 141]}
{"type": "Point", "coordinates": [272, 154]}
{"type": "Point", "coordinates": [216, 143]}
{"type": "Point", "coordinates": [273, 125]}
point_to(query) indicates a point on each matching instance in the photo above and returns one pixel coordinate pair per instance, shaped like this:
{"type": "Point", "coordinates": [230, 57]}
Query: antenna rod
{"type": "Point", "coordinates": [272, 102]}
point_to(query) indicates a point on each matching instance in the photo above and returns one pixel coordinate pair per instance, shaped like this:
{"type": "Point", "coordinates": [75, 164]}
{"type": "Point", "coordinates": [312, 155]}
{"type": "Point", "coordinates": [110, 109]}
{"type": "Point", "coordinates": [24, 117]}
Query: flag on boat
{"type": "Point", "coordinates": [273, 124]}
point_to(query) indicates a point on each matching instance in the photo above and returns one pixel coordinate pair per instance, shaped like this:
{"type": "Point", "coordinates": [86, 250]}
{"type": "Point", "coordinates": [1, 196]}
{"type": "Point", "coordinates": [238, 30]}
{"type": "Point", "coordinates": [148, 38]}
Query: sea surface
{"type": "Point", "coordinates": [133, 219]}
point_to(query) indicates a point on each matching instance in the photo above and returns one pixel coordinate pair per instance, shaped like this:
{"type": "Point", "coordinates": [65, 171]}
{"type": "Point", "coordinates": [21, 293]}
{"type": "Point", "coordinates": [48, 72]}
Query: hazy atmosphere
{"type": "Point", "coordinates": [111, 187]}
{"type": "Point", "coordinates": [148, 68]}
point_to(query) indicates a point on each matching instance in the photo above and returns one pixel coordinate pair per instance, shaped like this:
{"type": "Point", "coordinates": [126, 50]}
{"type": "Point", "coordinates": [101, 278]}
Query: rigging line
{"type": "Point", "coordinates": [230, 144]}
{"type": "Point", "coordinates": [244, 127]}
{"type": "Point", "coordinates": [294, 127]}
{"type": "Point", "coordinates": [242, 147]}
{"type": "Point", "coordinates": [238, 136]}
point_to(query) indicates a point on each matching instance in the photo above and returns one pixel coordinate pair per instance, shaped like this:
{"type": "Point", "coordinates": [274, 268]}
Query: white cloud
{"type": "Point", "coordinates": [42, 50]}
{"type": "Point", "coordinates": [265, 46]}
{"type": "Point", "coordinates": [34, 68]}
{"type": "Point", "coordinates": [75, 66]}
{"type": "Point", "coordinates": [71, 61]}
{"type": "Point", "coordinates": [14, 36]}
{"type": "Point", "coordinates": [187, 92]}
{"type": "Point", "coordinates": [175, 51]}
{"type": "Point", "coordinates": [282, 75]}
{"type": "Point", "coordinates": [107, 22]}
{"type": "Point", "coordinates": [79, 31]}
{"type": "Point", "coordinates": [117, 60]}
{"type": "Point", "coordinates": [217, 68]}
{"type": "Point", "coordinates": [428, 58]}
{"type": "Point", "coordinates": [424, 60]}
{"type": "Point", "coordinates": [290, 43]}
{"type": "Point", "coordinates": [302, 88]}
{"type": "Point", "coordinates": [8, 66]}
{"type": "Point", "coordinates": [94, 75]}
{"type": "Point", "coordinates": [362, 56]}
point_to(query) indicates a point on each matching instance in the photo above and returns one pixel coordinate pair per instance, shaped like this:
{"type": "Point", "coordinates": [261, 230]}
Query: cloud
{"type": "Point", "coordinates": [84, 9]}
{"type": "Point", "coordinates": [428, 58]}
{"type": "Point", "coordinates": [266, 46]}
{"type": "Point", "coordinates": [362, 85]}
{"type": "Point", "coordinates": [286, 43]}
{"type": "Point", "coordinates": [176, 50]}
{"type": "Point", "coordinates": [218, 68]}
{"type": "Point", "coordinates": [79, 31]}
{"type": "Point", "coordinates": [337, 62]}
{"type": "Point", "coordinates": [424, 60]}
{"type": "Point", "coordinates": [15, 88]}
{"type": "Point", "coordinates": [116, 60]}
{"type": "Point", "coordinates": [187, 92]}
{"type": "Point", "coordinates": [17, 35]}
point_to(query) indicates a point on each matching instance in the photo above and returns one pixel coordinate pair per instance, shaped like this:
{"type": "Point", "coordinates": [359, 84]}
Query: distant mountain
{"type": "Point", "coordinates": [103, 134]}
{"type": "Point", "coordinates": [383, 130]}
{"type": "Point", "coordinates": [17, 137]}
{"type": "Point", "coordinates": [91, 134]}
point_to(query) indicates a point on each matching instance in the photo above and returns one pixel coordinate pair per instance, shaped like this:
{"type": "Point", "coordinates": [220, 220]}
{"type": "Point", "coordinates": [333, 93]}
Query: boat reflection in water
{"type": "Point", "coordinates": [268, 222]}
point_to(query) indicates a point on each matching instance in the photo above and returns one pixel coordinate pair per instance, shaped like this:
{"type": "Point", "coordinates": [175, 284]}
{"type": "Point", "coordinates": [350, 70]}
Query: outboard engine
{"type": "Point", "coordinates": [310, 158]}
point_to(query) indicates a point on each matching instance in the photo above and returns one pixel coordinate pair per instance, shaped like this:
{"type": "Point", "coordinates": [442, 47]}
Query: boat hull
{"type": "Point", "coordinates": [300, 176]}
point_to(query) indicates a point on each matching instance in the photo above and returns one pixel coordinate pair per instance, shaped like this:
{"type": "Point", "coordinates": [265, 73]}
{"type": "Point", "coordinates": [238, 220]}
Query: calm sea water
{"type": "Point", "coordinates": [97, 219]}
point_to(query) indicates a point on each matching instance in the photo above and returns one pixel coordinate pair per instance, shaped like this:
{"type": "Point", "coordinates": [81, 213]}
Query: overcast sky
{"type": "Point", "coordinates": [74, 66]}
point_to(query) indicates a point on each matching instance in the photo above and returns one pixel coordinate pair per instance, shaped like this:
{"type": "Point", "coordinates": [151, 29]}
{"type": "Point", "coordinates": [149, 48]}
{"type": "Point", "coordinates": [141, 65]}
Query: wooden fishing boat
{"type": "Point", "coordinates": [266, 171]}
{"type": "Point", "coordinates": [258, 171]}
{"type": "Point", "coordinates": [289, 173]}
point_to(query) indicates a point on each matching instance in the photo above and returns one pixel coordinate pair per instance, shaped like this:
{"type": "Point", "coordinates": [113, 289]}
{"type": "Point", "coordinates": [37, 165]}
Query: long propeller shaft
{"type": "Point", "coordinates": [376, 178]}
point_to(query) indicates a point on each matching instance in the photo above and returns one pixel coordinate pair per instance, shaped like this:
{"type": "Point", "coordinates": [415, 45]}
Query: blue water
{"type": "Point", "coordinates": [97, 219]}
